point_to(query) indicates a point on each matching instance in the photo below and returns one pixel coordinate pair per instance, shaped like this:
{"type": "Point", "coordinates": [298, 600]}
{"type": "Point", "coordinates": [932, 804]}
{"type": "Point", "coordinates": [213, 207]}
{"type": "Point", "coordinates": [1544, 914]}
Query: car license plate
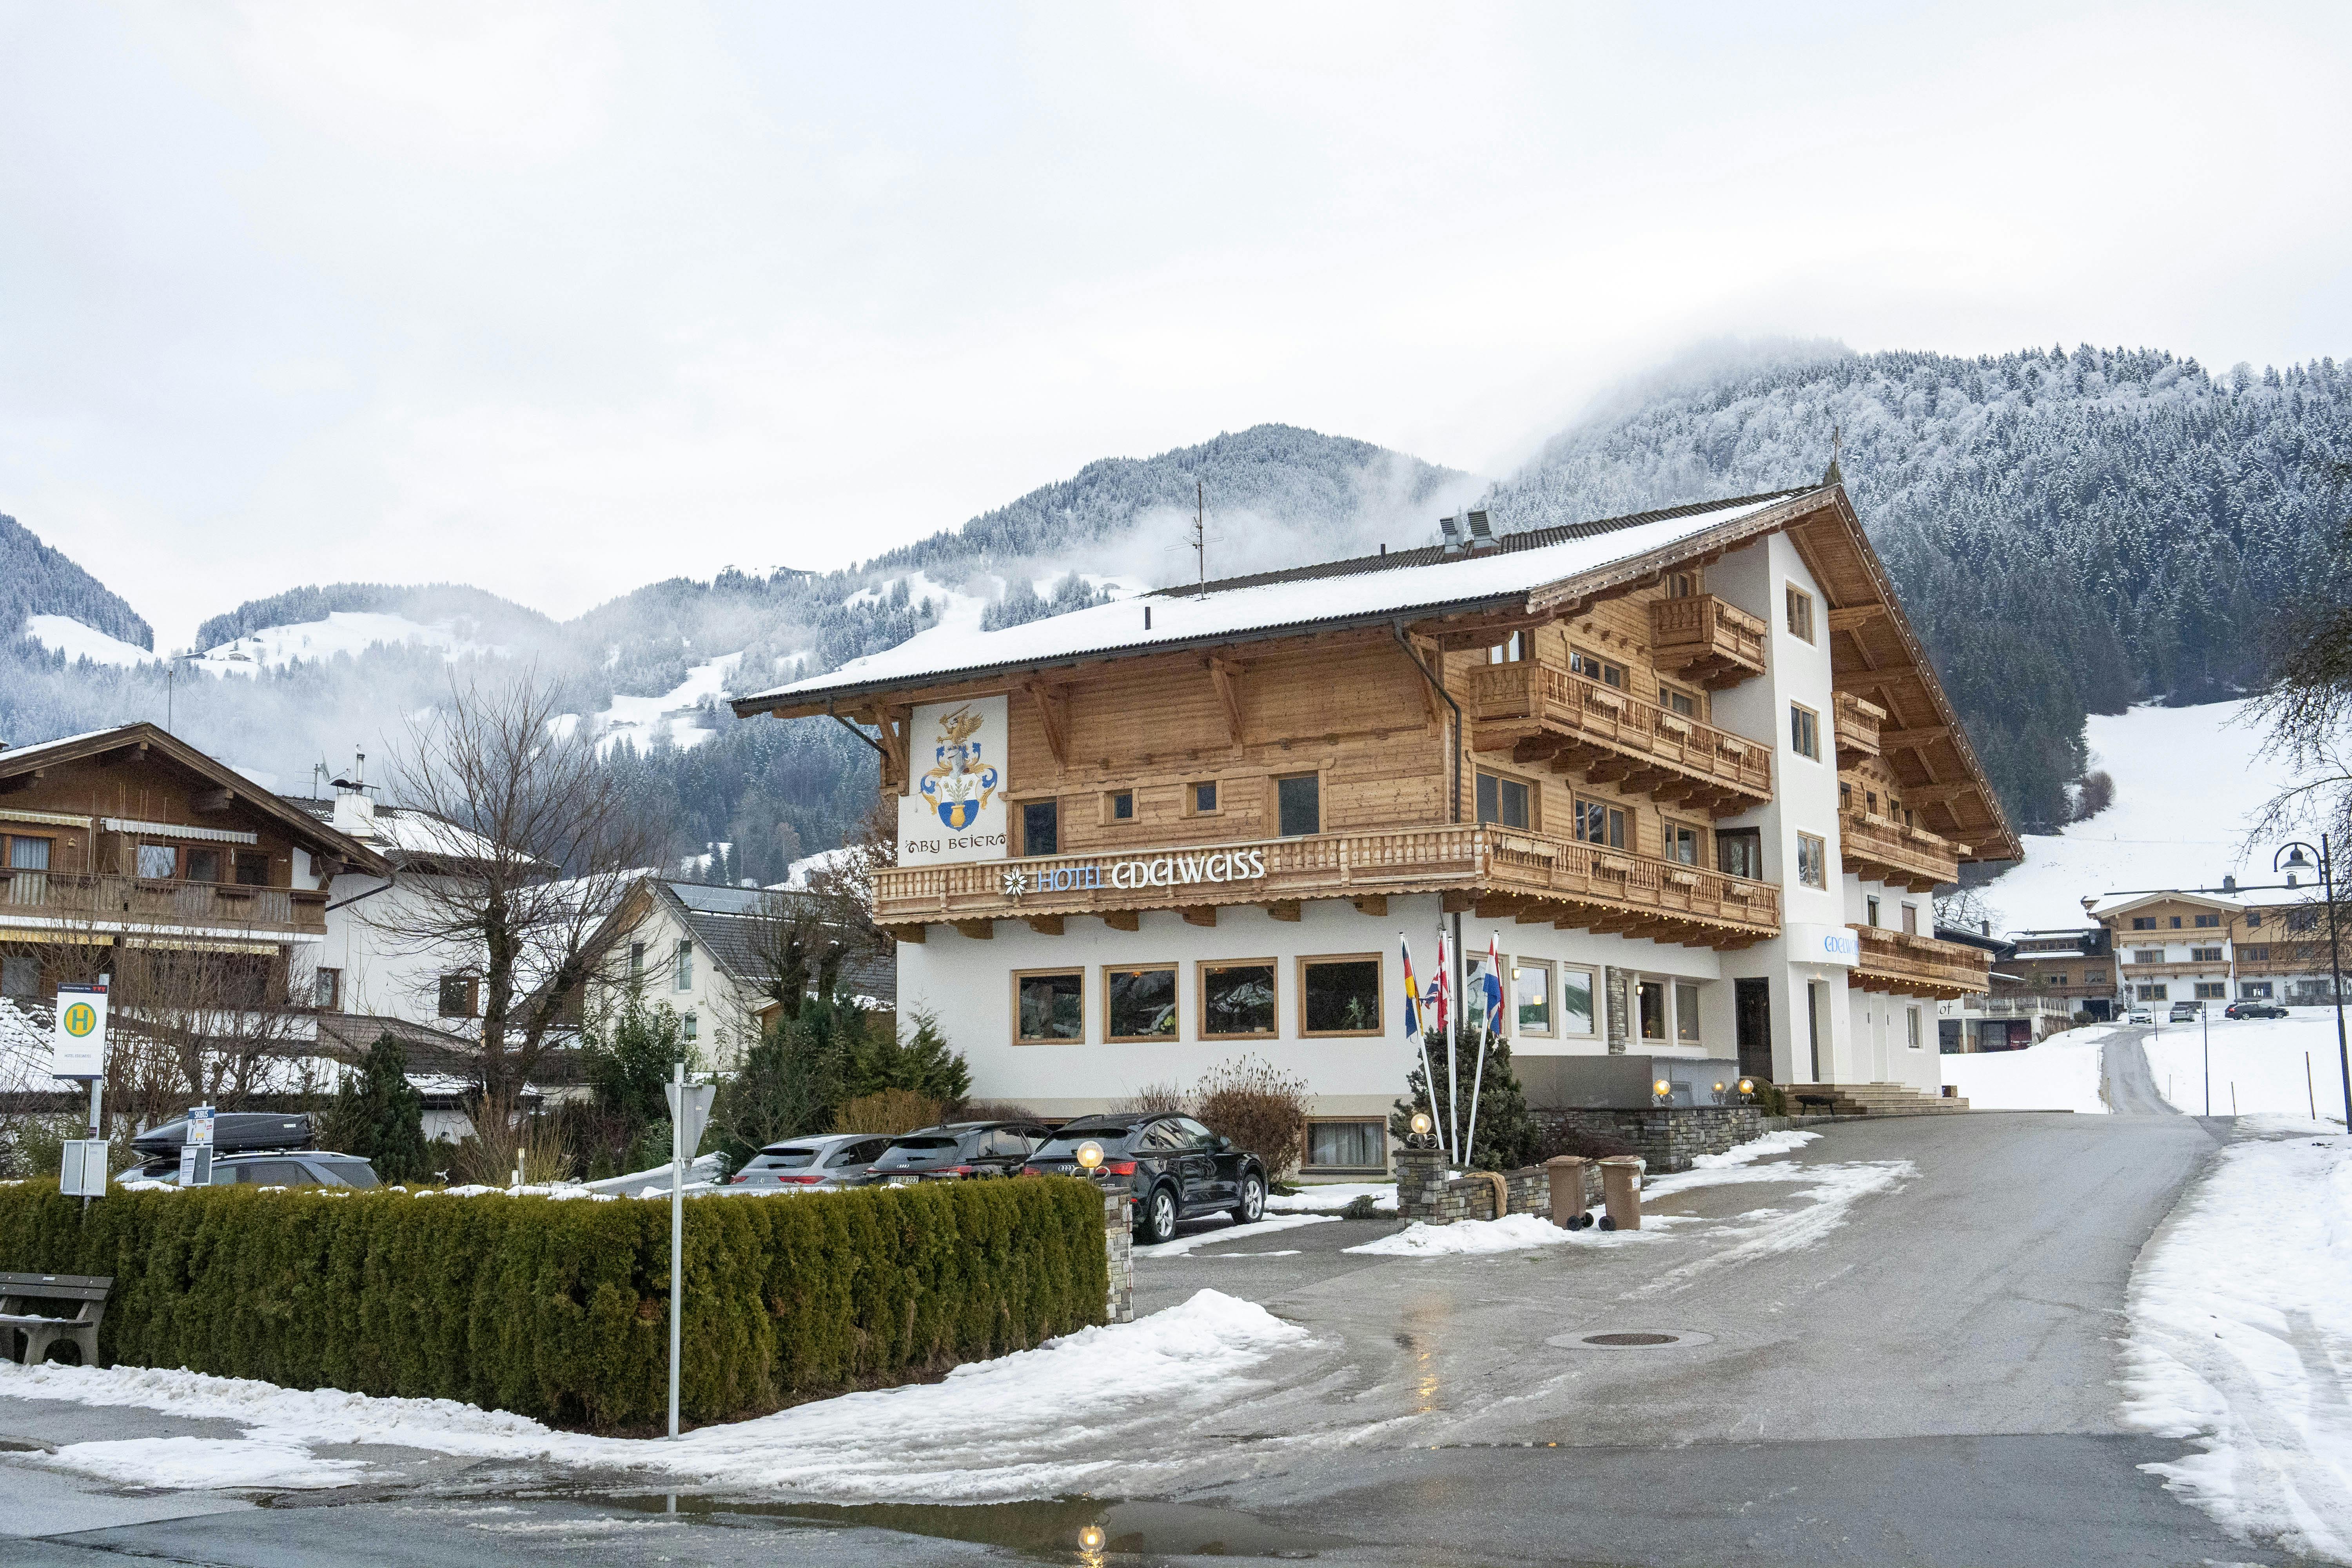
{"type": "Point", "coordinates": [903, 1180]}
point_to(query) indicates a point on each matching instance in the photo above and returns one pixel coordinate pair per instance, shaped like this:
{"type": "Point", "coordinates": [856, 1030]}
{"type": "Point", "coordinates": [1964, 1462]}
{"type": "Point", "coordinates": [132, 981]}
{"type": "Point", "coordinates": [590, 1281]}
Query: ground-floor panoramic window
{"type": "Point", "coordinates": [1140, 1002]}
{"type": "Point", "coordinates": [1050, 1004]}
{"type": "Point", "coordinates": [1340, 996]}
{"type": "Point", "coordinates": [1531, 995]}
{"type": "Point", "coordinates": [1238, 1000]}
{"type": "Point", "coordinates": [1346, 1145]}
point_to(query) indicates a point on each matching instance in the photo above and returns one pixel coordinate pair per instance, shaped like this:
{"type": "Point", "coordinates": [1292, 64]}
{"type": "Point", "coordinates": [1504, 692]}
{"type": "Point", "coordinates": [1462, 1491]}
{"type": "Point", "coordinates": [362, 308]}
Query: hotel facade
{"type": "Point", "coordinates": [1688, 771]}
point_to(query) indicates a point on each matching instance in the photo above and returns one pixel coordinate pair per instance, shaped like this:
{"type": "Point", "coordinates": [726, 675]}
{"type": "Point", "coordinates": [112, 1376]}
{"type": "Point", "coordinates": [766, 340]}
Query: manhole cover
{"type": "Point", "coordinates": [1630, 1339]}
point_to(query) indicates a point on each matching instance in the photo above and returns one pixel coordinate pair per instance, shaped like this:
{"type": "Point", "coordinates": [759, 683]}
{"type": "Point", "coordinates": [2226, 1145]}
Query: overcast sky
{"type": "Point", "coordinates": [561, 300]}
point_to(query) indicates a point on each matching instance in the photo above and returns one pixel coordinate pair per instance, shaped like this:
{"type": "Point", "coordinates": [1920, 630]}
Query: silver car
{"type": "Point", "coordinates": [824, 1164]}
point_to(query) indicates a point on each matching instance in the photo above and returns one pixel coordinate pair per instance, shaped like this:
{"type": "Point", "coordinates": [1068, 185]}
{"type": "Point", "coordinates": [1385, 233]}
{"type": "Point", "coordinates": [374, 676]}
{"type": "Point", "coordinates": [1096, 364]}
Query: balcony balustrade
{"type": "Point", "coordinates": [1532, 877]}
{"type": "Point", "coordinates": [1857, 729]}
{"type": "Point", "coordinates": [1920, 965]}
{"type": "Point", "coordinates": [1704, 640]}
{"type": "Point", "coordinates": [70, 903]}
{"type": "Point", "coordinates": [1880, 849]}
{"type": "Point", "coordinates": [1542, 713]}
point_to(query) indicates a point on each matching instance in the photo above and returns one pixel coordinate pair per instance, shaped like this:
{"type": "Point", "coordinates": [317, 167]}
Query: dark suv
{"type": "Point", "coordinates": [1174, 1169]}
{"type": "Point", "coordinates": [955, 1149]}
{"type": "Point", "coordinates": [2253, 1009]}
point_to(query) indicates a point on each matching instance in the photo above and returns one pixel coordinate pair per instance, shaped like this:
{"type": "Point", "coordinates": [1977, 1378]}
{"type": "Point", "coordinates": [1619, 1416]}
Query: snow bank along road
{"type": "Point", "coordinates": [1901, 1342]}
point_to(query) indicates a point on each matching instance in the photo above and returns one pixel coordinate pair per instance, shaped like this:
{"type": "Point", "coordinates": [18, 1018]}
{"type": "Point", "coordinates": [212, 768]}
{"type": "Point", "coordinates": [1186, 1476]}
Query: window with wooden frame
{"type": "Point", "coordinates": [1117, 806]}
{"type": "Point", "coordinates": [1299, 805]}
{"type": "Point", "coordinates": [1531, 996]}
{"type": "Point", "coordinates": [1041, 827]}
{"type": "Point", "coordinates": [1685, 843]}
{"type": "Point", "coordinates": [1870, 911]}
{"type": "Point", "coordinates": [2204, 955]}
{"type": "Point", "coordinates": [1812, 860]}
{"type": "Point", "coordinates": [1804, 731]}
{"type": "Point", "coordinates": [2148, 955]}
{"type": "Point", "coordinates": [2211, 991]}
{"type": "Point", "coordinates": [1911, 919]}
{"type": "Point", "coordinates": [2255, 954]}
{"type": "Point", "coordinates": [1506, 801]}
{"type": "Point", "coordinates": [252, 869]}
{"type": "Point", "coordinates": [1201, 798]}
{"type": "Point", "coordinates": [1685, 704]}
{"type": "Point", "coordinates": [1801, 614]}
{"type": "Point", "coordinates": [1347, 1143]}
{"type": "Point", "coordinates": [1237, 999]}
{"type": "Point", "coordinates": [2209, 919]}
{"type": "Point", "coordinates": [1512, 649]}
{"type": "Point", "coordinates": [1139, 1002]}
{"type": "Point", "coordinates": [1049, 1006]}
{"type": "Point", "coordinates": [1598, 822]}
{"type": "Point", "coordinates": [1592, 666]}
{"type": "Point", "coordinates": [204, 863]}
{"type": "Point", "coordinates": [461, 995]}
{"type": "Point", "coordinates": [159, 862]}
{"type": "Point", "coordinates": [2143, 922]}
{"type": "Point", "coordinates": [1739, 852]}
{"type": "Point", "coordinates": [1339, 994]}
{"type": "Point", "coordinates": [1686, 584]}
{"type": "Point", "coordinates": [327, 990]}
{"type": "Point", "coordinates": [26, 853]}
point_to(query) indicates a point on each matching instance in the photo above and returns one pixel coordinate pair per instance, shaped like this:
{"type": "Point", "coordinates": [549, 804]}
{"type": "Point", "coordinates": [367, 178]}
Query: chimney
{"type": "Point", "coordinates": [1482, 537]}
{"type": "Point", "coordinates": [354, 812]}
{"type": "Point", "coordinates": [1986, 926]}
{"type": "Point", "coordinates": [1450, 535]}
{"type": "Point", "coordinates": [2228, 882]}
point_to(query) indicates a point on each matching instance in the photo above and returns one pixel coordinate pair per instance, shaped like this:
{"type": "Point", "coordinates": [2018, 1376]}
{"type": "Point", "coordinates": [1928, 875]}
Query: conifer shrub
{"type": "Point", "coordinates": [559, 1311]}
{"type": "Point", "coordinates": [378, 1115]}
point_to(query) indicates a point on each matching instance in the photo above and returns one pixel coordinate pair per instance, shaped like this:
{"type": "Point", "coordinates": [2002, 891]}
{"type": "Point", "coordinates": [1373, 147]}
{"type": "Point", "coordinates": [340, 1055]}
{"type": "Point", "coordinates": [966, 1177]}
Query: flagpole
{"type": "Point", "coordinates": [1478, 1073]}
{"type": "Point", "coordinates": [1453, 1071]}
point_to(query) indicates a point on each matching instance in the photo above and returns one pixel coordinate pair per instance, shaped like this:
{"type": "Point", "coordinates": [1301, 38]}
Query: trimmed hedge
{"type": "Point", "coordinates": [560, 1310]}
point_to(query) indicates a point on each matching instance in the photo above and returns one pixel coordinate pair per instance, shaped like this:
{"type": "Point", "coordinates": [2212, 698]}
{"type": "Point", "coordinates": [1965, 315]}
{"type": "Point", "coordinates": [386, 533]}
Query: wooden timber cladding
{"type": "Point", "coordinates": [1534, 878]}
{"type": "Point", "coordinates": [1898, 962]}
{"type": "Point", "coordinates": [1541, 713]}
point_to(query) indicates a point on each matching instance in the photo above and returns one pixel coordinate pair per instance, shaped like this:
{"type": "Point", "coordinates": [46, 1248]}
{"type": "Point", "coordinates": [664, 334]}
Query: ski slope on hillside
{"type": "Point", "coordinates": [640, 720]}
{"type": "Point", "coordinates": [69, 637]}
{"type": "Point", "coordinates": [344, 631]}
{"type": "Point", "coordinates": [2189, 784]}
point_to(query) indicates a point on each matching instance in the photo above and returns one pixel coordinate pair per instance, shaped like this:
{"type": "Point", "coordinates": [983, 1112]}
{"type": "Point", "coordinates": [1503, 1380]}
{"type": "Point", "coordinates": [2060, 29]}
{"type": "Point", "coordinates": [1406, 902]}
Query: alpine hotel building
{"type": "Point", "coordinates": [1691, 767]}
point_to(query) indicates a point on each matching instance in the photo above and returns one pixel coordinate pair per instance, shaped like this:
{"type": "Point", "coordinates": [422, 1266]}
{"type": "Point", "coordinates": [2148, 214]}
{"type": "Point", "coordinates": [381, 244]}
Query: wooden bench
{"type": "Point", "coordinates": [18, 1291]}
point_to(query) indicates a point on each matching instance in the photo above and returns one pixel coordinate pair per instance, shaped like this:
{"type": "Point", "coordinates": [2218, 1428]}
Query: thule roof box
{"type": "Point", "coordinates": [234, 1132]}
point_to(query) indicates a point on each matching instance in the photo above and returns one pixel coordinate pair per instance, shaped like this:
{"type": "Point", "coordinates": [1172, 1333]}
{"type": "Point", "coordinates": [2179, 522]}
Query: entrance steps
{"type": "Point", "coordinates": [1869, 1099]}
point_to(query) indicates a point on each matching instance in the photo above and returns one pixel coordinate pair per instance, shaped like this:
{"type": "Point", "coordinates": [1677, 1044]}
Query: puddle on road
{"type": "Point", "coordinates": [1066, 1530]}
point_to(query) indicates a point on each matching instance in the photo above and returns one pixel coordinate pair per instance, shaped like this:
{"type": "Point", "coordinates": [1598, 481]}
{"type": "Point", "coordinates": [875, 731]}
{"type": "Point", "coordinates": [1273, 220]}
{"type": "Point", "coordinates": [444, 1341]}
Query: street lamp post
{"type": "Point", "coordinates": [2292, 859]}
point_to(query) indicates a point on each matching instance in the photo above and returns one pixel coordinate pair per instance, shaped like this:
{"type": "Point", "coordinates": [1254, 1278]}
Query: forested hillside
{"type": "Point", "coordinates": [36, 580]}
{"type": "Point", "coordinates": [2069, 532]}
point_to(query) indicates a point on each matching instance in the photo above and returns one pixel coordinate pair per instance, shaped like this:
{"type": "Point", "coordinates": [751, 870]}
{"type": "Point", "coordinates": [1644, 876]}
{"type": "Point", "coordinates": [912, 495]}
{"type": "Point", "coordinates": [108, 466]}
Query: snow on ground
{"type": "Point", "coordinates": [344, 631]}
{"type": "Point", "coordinates": [1069, 1415]}
{"type": "Point", "coordinates": [2061, 1073]}
{"type": "Point", "coordinates": [1787, 1142]}
{"type": "Point", "coordinates": [2261, 1058]}
{"type": "Point", "coordinates": [203, 1463]}
{"type": "Point", "coordinates": [638, 719]}
{"type": "Point", "coordinates": [1512, 1232]}
{"type": "Point", "coordinates": [2172, 825]}
{"type": "Point", "coordinates": [1228, 1232]}
{"type": "Point", "coordinates": [2240, 1329]}
{"type": "Point", "coordinates": [1330, 1198]}
{"type": "Point", "coordinates": [65, 635]}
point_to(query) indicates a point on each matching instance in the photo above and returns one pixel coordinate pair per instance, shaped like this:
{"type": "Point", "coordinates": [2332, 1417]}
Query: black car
{"type": "Point", "coordinates": [2253, 1010]}
{"type": "Point", "coordinates": [1174, 1168]}
{"type": "Point", "coordinates": [956, 1149]}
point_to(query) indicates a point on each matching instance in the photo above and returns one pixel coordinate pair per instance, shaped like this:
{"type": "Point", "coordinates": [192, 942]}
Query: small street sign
{"type": "Point", "coordinates": [78, 1041]}
{"type": "Point", "coordinates": [690, 1122]}
{"type": "Point", "coordinates": [196, 1148]}
{"type": "Point", "coordinates": [84, 1176]}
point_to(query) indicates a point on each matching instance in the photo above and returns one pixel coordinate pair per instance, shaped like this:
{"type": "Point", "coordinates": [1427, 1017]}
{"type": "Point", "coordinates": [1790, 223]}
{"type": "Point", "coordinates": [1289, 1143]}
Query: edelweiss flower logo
{"type": "Point", "coordinates": [1016, 884]}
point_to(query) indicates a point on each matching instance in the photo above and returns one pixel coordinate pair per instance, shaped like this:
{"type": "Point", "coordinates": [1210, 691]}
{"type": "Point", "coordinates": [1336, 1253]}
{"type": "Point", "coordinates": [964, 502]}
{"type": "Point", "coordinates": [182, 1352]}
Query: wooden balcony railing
{"type": "Point", "coordinates": [67, 902]}
{"type": "Point", "coordinates": [1703, 639]}
{"type": "Point", "coordinates": [1498, 869]}
{"type": "Point", "coordinates": [1857, 729]}
{"type": "Point", "coordinates": [1920, 965]}
{"type": "Point", "coordinates": [1880, 849]}
{"type": "Point", "coordinates": [1540, 713]}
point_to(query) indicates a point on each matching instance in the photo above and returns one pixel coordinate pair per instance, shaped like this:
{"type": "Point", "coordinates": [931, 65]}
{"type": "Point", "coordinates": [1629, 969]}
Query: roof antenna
{"type": "Point", "coordinates": [1837, 444]}
{"type": "Point", "coordinates": [1201, 537]}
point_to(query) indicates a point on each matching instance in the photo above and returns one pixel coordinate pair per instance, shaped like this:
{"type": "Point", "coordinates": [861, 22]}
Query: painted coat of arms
{"type": "Point", "coordinates": [960, 780]}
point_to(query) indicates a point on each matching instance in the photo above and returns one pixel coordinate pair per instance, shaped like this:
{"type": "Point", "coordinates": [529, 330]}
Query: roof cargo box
{"type": "Point", "coordinates": [234, 1132]}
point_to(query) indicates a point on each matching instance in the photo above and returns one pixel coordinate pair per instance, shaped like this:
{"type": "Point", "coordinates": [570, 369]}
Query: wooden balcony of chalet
{"type": "Point", "coordinates": [1531, 877]}
{"type": "Point", "coordinates": [1881, 849]}
{"type": "Point", "coordinates": [75, 907]}
{"type": "Point", "coordinates": [1857, 729]}
{"type": "Point", "coordinates": [1701, 639]}
{"type": "Point", "coordinates": [1911, 965]}
{"type": "Point", "coordinates": [1540, 713]}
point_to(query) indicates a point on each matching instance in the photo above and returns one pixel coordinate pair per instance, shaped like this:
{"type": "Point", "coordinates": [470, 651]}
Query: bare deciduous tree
{"type": "Point", "coordinates": [534, 843]}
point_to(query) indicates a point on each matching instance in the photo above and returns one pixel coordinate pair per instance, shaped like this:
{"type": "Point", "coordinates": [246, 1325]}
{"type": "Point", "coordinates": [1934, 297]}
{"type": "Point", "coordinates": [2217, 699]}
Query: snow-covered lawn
{"type": "Point", "coordinates": [2262, 1058]}
{"type": "Point", "coordinates": [1330, 1198]}
{"type": "Point", "coordinates": [1220, 1235]}
{"type": "Point", "coordinates": [2061, 1073]}
{"type": "Point", "coordinates": [1069, 1415]}
{"type": "Point", "coordinates": [2240, 1337]}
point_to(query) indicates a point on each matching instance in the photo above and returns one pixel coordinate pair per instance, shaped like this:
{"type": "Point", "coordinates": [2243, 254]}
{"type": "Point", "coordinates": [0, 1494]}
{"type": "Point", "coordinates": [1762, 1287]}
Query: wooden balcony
{"type": "Point", "coordinates": [1540, 713]}
{"type": "Point", "coordinates": [1920, 965]}
{"type": "Point", "coordinates": [1880, 849]}
{"type": "Point", "coordinates": [1857, 729]}
{"type": "Point", "coordinates": [1705, 641]}
{"type": "Point", "coordinates": [1532, 877]}
{"type": "Point", "coordinates": [75, 907]}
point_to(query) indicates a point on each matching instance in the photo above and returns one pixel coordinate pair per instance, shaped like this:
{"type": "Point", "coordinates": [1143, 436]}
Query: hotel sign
{"type": "Point", "coordinates": [1824, 944]}
{"type": "Point", "coordinates": [954, 807]}
{"type": "Point", "coordinates": [1158, 871]}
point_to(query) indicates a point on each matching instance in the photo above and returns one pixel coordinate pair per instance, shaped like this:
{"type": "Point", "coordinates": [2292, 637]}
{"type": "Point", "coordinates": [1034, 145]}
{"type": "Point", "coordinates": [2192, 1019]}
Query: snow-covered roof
{"type": "Point", "coordinates": [12, 753]}
{"type": "Point", "coordinates": [1409, 583]}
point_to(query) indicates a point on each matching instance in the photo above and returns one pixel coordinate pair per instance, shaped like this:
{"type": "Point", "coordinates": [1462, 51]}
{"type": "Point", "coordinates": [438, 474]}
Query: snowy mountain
{"type": "Point", "coordinates": [36, 580]}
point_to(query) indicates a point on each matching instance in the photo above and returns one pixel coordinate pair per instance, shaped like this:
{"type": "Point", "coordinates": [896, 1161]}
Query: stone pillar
{"type": "Point", "coordinates": [1421, 1179]}
{"type": "Point", "coordinates": [1618, 985]}
{"type": "Point", "coordinates": [1119, 1249]}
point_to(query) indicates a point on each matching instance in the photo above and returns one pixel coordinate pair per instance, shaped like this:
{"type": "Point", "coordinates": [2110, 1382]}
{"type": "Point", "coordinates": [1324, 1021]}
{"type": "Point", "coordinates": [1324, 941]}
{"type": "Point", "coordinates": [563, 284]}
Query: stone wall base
{"type": "Point", "coordinates": [1667, 1137]}
{"type": "Point", "coordinates": [1118, 1247]}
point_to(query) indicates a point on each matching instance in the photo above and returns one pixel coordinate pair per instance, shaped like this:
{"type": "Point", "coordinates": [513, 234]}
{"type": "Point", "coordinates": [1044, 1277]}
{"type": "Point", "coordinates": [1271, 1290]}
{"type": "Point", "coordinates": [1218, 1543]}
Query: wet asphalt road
{"type": "Point", "coordinates": [1898, 1347]}
{"type": "Point", "coordinates": [2126, 1081]}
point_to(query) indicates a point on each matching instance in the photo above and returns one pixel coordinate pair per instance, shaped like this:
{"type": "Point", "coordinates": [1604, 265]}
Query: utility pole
{"type": "Point", "coordinates": [1201, 537]}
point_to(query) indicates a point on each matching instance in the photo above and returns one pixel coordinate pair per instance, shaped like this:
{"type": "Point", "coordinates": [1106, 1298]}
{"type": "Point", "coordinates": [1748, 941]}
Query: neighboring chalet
{"type": "Point", "coordinates": [2217, 948]}
{"type": "Point", "coordinates": [2041, 981]}
{"type": "Point", "coordinates": [1690, 767]}
{"type": "Point", "coordinates": [131, 838]}
{"type": "Point", "coordinates": [710, 954]}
